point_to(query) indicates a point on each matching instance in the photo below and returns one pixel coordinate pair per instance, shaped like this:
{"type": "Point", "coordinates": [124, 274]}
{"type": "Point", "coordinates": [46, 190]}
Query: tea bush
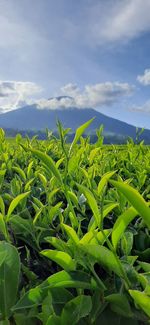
{"type": "Point", "coordinates": [74, 231]}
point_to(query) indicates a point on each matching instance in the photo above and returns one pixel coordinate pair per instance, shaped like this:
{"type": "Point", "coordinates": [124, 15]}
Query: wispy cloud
{"type": "Point", "coordinates": [70, 90]}
{"type": "Point", "coordinates": [145, 78]}
{"type": "Point", "coordinates": [20, 40]}
{"type": "Point", "coordinates": [118, 21]}
{"type": "Point", "coordinates": [14, 94]}
{"type": "Point", "coordinates": [145, 108]}
{"type": "Point", "coordinates": [92, 96]}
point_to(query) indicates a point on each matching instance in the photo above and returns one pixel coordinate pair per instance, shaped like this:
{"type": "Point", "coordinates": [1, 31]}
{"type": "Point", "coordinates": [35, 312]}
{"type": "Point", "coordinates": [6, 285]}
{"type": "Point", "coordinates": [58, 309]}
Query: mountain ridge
{"type": "Point", "coordinates": [32, 118]}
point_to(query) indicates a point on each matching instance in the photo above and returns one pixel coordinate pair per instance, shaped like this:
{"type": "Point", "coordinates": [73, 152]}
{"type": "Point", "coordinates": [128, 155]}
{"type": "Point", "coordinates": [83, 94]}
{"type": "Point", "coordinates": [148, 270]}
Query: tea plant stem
{"type": "Point", "coordinates": [110, 246]}
{"type": "Point", "coordinates": [101, 284]}
{"type": "Point", "coordinates": [128, 284]}
{"type": "Point", "coordinates": [70, 206]}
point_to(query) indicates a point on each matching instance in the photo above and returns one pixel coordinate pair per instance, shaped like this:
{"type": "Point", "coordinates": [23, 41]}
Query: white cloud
{"type": "Point", "coordinates": [55, 103]}
{"type": "Point", "coordinates": [14, 94]}
{"type": "Point", "coordinates": [119, 20]}
{"type": "Point", "coordinates": [70, 89]}
{"type": "Point", "coordinates": [145, 78]}
{"type": "Point", "coordinates": [92, 96]}
{"type": "Point", "coordinates": [145, 108]}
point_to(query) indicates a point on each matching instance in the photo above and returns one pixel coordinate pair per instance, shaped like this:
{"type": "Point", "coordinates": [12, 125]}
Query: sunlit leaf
{"type": "Point", "coordinates": [135, 199]}
{"type": "Point", "coordinates": [61, 258]}
{"type": "Point", "coordinates": [71, 233]}
{"type": "Point", "coordinates": [104, 213]}
{"type": "Point", "coordinates": [92, 203]}
{"type": "Point", "coordinates": [15, 203]}
{"type": "Point", "coordinates": [62, 279]}
{"type": "Point", "coordinates": [121, 224]}
{"type": "Point", "coordinates": [48, 161]}
{"type": "Point", "coordinates": [79, 132]}
{"type": "Point", "coordinates": [103, 256]}
{"type": "Point", "coordinates": [20, 172]}
{"type": "Point", "coordinates": [142, 300]}
{"type": "Point", "coordinates": [2, 206]}
{"type": "Point", "coordinates": [104, 181]}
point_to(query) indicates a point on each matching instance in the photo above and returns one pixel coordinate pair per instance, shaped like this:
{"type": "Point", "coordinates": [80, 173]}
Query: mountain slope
{"type": "Point", "coordinates": [31, 118]}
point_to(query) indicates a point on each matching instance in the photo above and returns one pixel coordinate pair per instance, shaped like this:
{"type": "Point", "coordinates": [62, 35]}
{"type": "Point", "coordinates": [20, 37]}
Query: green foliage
{"type": "Point", "coordinates": [76, 309]}
{"type": "Point", "coordinates": [119, 304]}
{"type": "Point", "coordinates": [9, 277]}
{"type": "Point", "coordinates": [61, 258]}
{"type": "Point", "coordinates": [74, 230]}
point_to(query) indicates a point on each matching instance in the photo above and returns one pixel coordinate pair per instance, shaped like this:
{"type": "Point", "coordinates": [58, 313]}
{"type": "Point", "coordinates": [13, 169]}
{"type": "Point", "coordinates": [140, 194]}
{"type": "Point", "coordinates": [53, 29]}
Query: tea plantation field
{"type": "Point", "coordinates": [74, 231]}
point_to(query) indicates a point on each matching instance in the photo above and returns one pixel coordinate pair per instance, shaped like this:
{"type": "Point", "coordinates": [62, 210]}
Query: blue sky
{"type": "Point", "coordinates": [96, 51]}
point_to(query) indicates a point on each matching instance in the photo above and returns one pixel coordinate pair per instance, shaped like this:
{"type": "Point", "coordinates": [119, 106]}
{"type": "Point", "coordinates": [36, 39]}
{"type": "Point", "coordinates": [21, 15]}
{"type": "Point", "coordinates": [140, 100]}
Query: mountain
{"type": "Point", "coordinates": [32, 118]}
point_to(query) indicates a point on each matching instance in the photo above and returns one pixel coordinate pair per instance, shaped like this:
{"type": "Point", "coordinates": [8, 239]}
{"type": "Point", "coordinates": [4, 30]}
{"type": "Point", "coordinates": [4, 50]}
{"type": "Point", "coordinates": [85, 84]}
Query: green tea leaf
{"type": "Point", "coordinates": [88, 237]}
{"type": "Point", "coordinates": [71, 233]}
{"type": "Point", "coordinates": [135, 199]}
{"type": "Point", "coordinates": [53, 320]}
{"type": "Point", "coordinates": [2, 256]}
{"type": "Point", "coordinates": [142, 300]}
{"type": "Point", "coordinates": [73, 198]}
{"type": "Point", "coordinates": [22, 226]}
{"type": "Point", "coordinates": [104, 181]}
{"type": "Point", "coordinates": [3, 228]}
{"type": "Point", "coordinates": [106, 210]}
{"type": "Point", "coordinates": [33, 297]}
{"type": "Point", "coordinates": [9, 277]}
{"type": "Point", "coordinates": [121, 224]}
{"type": "Point", "coordinates": [93, 153]}
{"type": "Point", "coordinates": [79, 132]}
{"type": "Point", "coordinates": [15, 202]}
{"type": "Point", "coordinates": [76, 309]}
{"type": "Point", "coordinates": [92, 203]}
{"type": "Point", "coordinates": [54, 211]}
{"type": "Point", "coordinates": [37, 216]}
{"type": "Point", "coordinates": [57, 243]}
{"type": "Point", "coordinates": [95, 237]}
{"type": "Point", "coordinates": [29, 170]}
{"type": "Point", "coordinates": [59, 162]}
{"type": "Point", "coordinates": [20, 172]}
{"type": "Point", "coordinates": [62, 279]}
{"type": "Point", "coordinates": [28, 184]}
{"type": "Point", "coordinates": [48, 161]}
{"type": "Point", "coordinates": [42, 179]}
{"type": "Point", "coordinates": [61, 258]}
{"type": "Point", "coordinates": [60, 296]}
{"type": "Point", "coordinates": [2, 206]}
{"type": "Point", "coordinates": [119, 304]}
{"type": "Point", "coordinates": [145, 266]}
{"type": "Point", "coordinates": [103, 256]}
{"type": "Point", "coordinates": [100, 237]}
{"type": "Point", "coordinates": [127, 242]}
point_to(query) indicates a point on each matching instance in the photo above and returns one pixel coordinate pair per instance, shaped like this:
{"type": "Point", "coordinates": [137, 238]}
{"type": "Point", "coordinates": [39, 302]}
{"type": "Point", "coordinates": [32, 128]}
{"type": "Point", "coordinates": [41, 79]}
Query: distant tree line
{"type": "Point", "coordinates": [42, 135]}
